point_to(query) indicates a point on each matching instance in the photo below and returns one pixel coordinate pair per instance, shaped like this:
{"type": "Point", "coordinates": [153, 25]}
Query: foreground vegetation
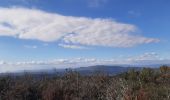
{"type": "Point", "coordinates": [147, 84]}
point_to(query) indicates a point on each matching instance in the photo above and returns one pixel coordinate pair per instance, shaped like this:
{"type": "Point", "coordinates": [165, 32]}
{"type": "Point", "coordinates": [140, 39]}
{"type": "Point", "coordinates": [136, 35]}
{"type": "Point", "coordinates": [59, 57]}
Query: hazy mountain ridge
{"type": "Point", "coordinates": [107, 69]}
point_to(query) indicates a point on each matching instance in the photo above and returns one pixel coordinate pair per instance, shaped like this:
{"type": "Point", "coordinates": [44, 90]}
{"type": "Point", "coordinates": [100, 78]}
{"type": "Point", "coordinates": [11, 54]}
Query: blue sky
{"type": "Point", "coordinates": [131, 31]}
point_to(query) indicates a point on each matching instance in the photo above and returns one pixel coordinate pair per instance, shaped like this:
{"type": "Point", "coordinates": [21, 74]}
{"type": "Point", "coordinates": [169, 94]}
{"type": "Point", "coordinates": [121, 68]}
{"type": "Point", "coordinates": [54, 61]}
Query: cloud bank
{"type": "Point", "coordinates": [24, 23]}
{"type": "Point", "coordinates": [150, 58]}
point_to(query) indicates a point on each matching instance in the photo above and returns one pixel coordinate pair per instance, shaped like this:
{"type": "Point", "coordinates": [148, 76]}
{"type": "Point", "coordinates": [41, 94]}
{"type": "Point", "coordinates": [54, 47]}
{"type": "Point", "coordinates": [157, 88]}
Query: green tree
{"type": "Point", "coordinates": [146, 75]}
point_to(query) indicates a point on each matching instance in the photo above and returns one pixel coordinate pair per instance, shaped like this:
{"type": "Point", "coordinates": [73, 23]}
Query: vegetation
{"type": "Point", "coordinates": [147, 84]}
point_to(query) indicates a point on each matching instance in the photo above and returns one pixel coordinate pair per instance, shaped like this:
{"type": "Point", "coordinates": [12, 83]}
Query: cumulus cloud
{"type": "Point", "coordinates": [24, 23]}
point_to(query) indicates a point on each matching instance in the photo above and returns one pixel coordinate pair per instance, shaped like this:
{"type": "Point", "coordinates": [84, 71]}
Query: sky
{"type": "Point", "coordinates": [43, 34]}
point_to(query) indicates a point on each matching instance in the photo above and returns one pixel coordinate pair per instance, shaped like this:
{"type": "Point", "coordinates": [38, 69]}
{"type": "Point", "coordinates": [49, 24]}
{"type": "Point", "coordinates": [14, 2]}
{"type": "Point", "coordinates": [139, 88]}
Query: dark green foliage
{"type": "Point", "coordinates": [147, 84]}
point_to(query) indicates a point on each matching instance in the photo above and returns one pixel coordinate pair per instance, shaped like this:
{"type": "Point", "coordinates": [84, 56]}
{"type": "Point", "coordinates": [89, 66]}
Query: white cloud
{"type": "Point", "coordinates": [96, 3]}
{"type": "Point", "coordinates": [45, 44]}
{"type": "Point", "coordinates": [72, 46]}
{"type": "Point", "coordinates": [2, 62]}
{"type": "Point", "coordinates": [143, 59]}
{"type": "Point", "coordinates": [35, 24]}
{"type": "Point", "coordinates": [134, 13]}
{"type": "Point", "coordinates": [146, 56]}
{"type": "Point", "coordinates": [31, 46]}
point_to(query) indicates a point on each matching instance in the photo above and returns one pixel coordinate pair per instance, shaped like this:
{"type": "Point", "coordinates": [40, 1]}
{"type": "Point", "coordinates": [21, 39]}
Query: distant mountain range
{"type": "Point", "coordinates": [108, 69]}
{"type": "Point", "coordinates": [105, 69]}
{"type": "Point", "coordinates": [111, 70]}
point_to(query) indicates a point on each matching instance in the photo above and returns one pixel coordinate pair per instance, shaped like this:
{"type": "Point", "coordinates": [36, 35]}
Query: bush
{"type": "Point", "coordinates": [146, 84]}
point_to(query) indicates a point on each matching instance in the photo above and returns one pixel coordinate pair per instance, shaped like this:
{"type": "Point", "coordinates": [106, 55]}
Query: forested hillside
{"type": "Point", "coordinates": [146, 84]}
